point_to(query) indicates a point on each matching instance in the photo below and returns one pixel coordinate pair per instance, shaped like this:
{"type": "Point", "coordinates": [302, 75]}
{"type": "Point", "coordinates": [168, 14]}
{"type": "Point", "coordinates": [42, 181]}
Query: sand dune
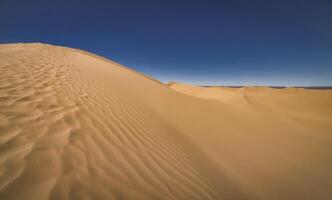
{"type": "Point", "coordinates": [74, 125]}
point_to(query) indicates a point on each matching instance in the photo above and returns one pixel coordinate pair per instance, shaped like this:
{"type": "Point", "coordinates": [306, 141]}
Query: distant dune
{"type": "Point", "coordinates": [74, 125]}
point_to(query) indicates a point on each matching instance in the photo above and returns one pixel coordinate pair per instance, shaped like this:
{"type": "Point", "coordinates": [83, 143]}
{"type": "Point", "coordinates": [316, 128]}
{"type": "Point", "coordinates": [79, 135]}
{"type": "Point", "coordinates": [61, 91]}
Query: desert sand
{"type": "Point", "coordinates": [74, 125]}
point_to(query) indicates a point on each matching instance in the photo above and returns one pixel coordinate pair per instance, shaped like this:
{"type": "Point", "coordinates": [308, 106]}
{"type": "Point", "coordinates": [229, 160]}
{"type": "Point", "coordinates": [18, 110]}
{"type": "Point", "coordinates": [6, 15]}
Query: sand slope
{"type": "Point", "coordinates": [77, 126]}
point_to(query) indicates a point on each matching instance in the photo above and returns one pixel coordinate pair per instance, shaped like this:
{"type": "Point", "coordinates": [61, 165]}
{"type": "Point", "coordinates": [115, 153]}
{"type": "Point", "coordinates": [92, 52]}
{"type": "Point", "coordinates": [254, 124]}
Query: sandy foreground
{"type": "Point", "coordinates": [74, 125]}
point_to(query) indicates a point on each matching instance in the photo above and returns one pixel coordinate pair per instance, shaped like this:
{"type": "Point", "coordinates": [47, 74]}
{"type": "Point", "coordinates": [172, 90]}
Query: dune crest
{"type": "Point", "coordinates": [74, 125]}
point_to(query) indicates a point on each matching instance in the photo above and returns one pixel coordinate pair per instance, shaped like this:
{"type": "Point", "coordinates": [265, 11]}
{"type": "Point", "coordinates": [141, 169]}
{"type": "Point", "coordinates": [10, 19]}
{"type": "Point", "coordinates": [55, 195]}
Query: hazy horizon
{"type": "Point", "coordinates": [156, 99]}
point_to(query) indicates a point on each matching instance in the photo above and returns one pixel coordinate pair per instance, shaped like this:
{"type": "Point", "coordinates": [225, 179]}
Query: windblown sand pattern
{"type": "Point", "coordinates": [77, 126]}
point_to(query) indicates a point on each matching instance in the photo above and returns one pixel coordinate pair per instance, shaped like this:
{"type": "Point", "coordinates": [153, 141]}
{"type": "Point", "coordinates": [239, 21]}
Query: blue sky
{"type": "Point", "coordinates": [238, 42]}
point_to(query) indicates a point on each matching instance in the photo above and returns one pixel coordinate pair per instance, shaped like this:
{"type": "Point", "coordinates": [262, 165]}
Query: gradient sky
{"type": "Point", "coordinates": [233, 42]}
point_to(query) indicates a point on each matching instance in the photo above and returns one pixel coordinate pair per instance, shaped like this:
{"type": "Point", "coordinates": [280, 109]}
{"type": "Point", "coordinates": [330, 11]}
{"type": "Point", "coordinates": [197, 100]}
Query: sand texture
{"type": "Point", "coordinates": [74, 125]}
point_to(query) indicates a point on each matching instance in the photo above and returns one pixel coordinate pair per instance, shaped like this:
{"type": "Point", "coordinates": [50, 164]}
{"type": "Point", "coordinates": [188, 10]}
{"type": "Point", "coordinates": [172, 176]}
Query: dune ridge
{"type": "Point", "coordinates": [74, 125]}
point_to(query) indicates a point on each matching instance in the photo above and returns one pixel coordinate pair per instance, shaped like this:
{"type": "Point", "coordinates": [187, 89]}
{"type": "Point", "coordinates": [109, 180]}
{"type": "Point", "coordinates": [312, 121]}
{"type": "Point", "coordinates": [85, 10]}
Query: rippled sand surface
{"type": "Point", "coordinates": [74, 125]}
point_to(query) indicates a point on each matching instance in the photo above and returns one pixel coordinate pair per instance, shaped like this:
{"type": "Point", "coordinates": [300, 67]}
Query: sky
{"type": "Point", "coordinates": [202, 42]}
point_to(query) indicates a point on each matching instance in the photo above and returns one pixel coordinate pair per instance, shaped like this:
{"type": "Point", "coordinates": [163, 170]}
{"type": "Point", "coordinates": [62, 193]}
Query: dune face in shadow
{"type": "Point", "coordinates": [77, 126]}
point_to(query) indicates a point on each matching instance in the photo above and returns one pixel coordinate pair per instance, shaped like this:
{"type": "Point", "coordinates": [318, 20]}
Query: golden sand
{"type": "Point", "coordinates": [74, 125]}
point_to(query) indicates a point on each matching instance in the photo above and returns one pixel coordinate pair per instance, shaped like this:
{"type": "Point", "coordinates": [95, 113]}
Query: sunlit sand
{"type": "Point", "coordinates": [74, 125]}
